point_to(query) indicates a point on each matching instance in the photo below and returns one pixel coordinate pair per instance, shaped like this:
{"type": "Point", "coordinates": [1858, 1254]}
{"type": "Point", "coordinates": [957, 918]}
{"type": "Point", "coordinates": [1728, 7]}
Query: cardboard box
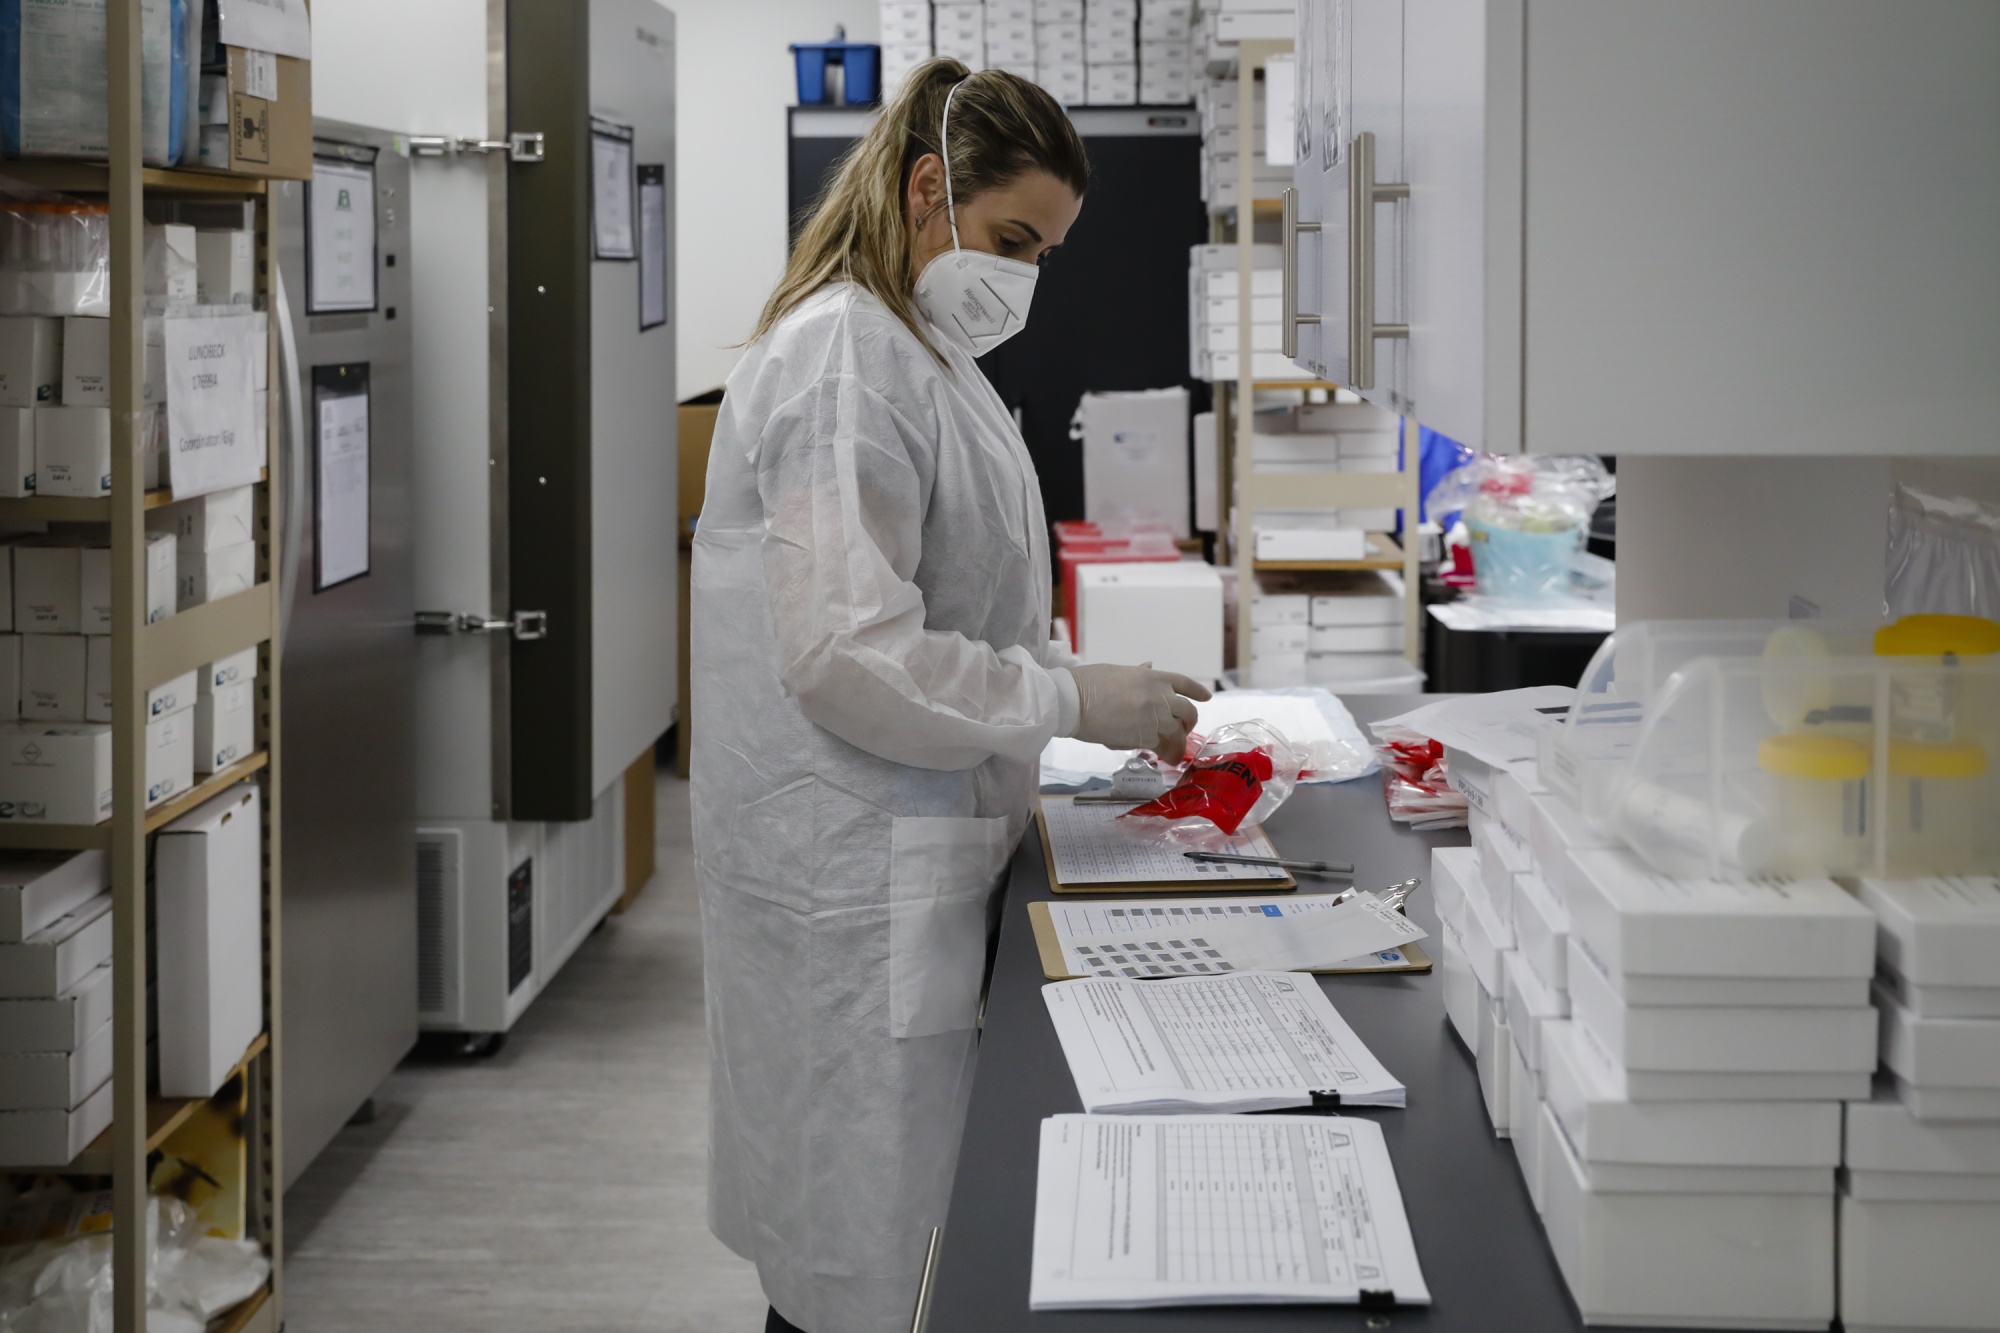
{"type": "Point", "coordinates": [1110, 85]}
{"type": "Point", "coordinates": [17, 451]}
{"type": "Point", "coordinates": [1636, 921]}
{"type": "Point", "coordinates": [1486, 938]}
{"type": "Point", "coordinates": [208, 870]}
{"type": "Point", "coordinates": [55, 773]}
{"type": "Point", "coordinates": [169, 757]}
{"type": "Point", "coordinates": [48, 588]}
{"type": "Point", "coordinates": [1280, 640]}
{"type": "Point", "coordinates": [1269, 609]}
{"type": "Point", "coordinates": [164, 700]}
{"type": "Point", "coordinates": [262, 135]}
{"type": "Point", "coordinates": [1731, 1260]}
{"type": "Point", "coordinates": [1541, 931]}
{"type": "Point", "coordinates": [1941, 930]}
{"type": "Point", "coordinates": [1918, 1265]}
{"type": "Point", "coordinates": [1558, 828]}
{"type": "Point", "coordinates": [1501, 857]}
{"type": "Point", "coordinates": [73, 451]}
{"type": "Point", "coordinates": [1722, 1040]}
{"type": "Point", "coordinates": [1530, 1005]}
{"type": "Point", "coordinates": [53, 1138]}
{"type": "Point", "coordinates": [209, 522]}
{"type": "Point", "coordinates": [228, 670]}
{"type": "Point", "coordinates": [1311, 543]}
{"type": "Point", "coordinates": [86, 361]}
{"type": "Point", "coordinates": [60, 1024]}
{"type": "Point", "coordinates": [1948, 1104]}
{"type": "Point", "coordinates": [209, 576]}
{"type": "Point", "coordinates": [54, 671]}
{"type": "Point", "coordinates": [1365, 599]}
{"type": "Point", "coordinates": [1166, 613]}
{"type": "Point", "coordinates": [1356, 639]}
{"type": "Point", "coordinates": [31, 351]}
{"type": "Point", "coordinates": [1939, 1001]}
{"type": "Point", "coordinates": [1514, 789]}
{"type": "Point", "coordinates": [1461, 987]}
{"type": "Point", "coordinates": [1333, 669]}
{"type": "Point", "coordinates": [10, 677]}
{"type": "Point", "coordinates": [162, 569]}
{"type": "Point", "coordinates": [225, 267]}
{"type": "Point", "coordinates": [225, 726]}
{"type": "Point", "coordinates": [170, 261]}
{"type": "Point", "coordinates": [1524, 1109]}
{"type": "Point", "coordinates": [51, 961]}
{"type": "Point", "coordinates": [1492, 1057]}
{"type": "Point", "coordinates": [1452, 869]}
{"type": "Point", "coordinates": [56, 1080]}
{"type": "Point", "coordinates": [1059, 11]}
{"type": "Point", "coordinates": [1940, 1052]}
{"type": "Point", "coordinates": [1883, 1135]}
{"type": "Point", "coordinates": [38, 887]}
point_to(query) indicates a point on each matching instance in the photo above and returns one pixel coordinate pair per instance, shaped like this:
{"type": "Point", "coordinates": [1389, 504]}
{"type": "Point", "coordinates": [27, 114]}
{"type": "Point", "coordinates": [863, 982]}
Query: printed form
{"type": "Point", "coordinates": [1251, 1041]}
{"type": "Point", "coordinates": [1209, 1210]}
{"type": "Point", "coordinates": [1091, 847]}
{"type": "Point", "coordinates": [1172, 937]}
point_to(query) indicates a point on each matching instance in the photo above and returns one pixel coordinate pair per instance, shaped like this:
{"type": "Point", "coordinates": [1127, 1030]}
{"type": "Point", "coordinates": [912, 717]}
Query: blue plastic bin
{"type": "Point", "coordinates": [861, 69]}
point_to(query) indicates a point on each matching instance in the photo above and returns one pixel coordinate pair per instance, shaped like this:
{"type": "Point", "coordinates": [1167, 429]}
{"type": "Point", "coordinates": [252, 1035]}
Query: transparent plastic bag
{"type": "Point", "coordinates": [64, 1285]}
{"type": "Point", "coordinates": [1414, 783]}
{"type": "Point", "coordinates": [1526, 515]}
{"type": "Point", "coordinates": [1944, 556]}
{"type": "Point", "coordinates": [1241, 775]}
{"type": "Point", "coordinates": [55, 254]}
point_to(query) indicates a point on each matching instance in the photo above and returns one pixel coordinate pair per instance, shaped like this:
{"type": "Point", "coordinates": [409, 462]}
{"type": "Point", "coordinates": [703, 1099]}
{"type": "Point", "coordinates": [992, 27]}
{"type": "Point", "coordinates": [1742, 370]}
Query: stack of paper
{"type": "Point", "coordinates": [1252, 1041]}
{"type": "Point", "coordinates": [1174, 937]}
{"type": "Point", "coordinates": [1136, 1211]}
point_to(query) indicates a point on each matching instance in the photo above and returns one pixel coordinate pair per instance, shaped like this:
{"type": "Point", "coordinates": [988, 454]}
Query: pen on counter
{"type": "Point", "coordinates": [1298, 867]}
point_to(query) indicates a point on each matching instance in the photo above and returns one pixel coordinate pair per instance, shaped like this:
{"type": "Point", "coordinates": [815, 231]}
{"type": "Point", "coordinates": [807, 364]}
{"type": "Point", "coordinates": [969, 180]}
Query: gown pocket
{"type": "Point", "coordinates": [942, 876]}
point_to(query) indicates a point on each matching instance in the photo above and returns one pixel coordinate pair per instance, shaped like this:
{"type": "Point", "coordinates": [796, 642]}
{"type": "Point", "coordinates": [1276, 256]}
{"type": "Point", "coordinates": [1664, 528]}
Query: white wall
{"type": "Point", "coordinates": [735, 83]}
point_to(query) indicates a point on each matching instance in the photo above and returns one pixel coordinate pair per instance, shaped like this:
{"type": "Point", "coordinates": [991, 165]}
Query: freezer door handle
{"type": "Point", "coordinates": [1292, 317]}
{"type": "Point", "coordinates": [1363, 193]}
{"type": "Point", "coordinates": [523, 625]}
{"type": "Point", "coordinates": [520, 146]}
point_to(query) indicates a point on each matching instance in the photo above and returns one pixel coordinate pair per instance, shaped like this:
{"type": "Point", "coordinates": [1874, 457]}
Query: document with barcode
{"type": "Point", "coordinates": [1249, 1041]}
{"type": "Point", "coordinates": [1134, 1211]}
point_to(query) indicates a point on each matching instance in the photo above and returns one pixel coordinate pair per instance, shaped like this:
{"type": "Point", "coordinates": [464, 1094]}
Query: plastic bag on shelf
{"type": "Point", "coordinates": [1527, 516]}
{"type": "Point", "coordinates": [55, 253]}
{"type": "Point", "coordinates": [1944, 555]}
{"type": "Point", "coordinates": [64, 1285]}
{"type": "Point", "coordinates": [1240, 775]}
{"type": "Point", "coordinates": [1415, 785]}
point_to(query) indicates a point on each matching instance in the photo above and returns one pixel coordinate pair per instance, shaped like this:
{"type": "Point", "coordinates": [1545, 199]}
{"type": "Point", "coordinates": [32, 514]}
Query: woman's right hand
{"type": "Point", "coordinates": [1135, 708]}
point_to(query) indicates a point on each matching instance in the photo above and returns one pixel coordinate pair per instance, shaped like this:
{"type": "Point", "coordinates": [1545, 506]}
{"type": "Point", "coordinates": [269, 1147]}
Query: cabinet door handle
{"type": "Point", "coordinates": [1363, 193]}
{"type": "Point", "coordinates": [1290, 315]}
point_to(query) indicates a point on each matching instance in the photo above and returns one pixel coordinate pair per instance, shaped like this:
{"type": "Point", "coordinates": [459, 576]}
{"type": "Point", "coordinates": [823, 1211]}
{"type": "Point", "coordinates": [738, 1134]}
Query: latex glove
{"type": "Point", "coordinates": [1135, 708]}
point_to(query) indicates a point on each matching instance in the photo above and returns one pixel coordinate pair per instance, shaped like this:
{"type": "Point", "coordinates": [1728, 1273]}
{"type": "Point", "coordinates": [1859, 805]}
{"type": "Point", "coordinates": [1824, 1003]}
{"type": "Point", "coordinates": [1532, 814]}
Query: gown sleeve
{"type": "Point", "coordinates": [843, 483]}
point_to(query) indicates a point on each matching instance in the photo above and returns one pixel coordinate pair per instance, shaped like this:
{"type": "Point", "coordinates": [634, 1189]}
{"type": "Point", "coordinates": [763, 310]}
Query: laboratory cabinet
{"type": "Point", "coordinates": [1621, 226]}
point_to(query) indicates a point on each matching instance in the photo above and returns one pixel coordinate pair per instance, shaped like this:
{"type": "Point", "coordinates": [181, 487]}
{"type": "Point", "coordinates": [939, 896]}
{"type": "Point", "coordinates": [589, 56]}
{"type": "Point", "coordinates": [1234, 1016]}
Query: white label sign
{"type": "Point", "coordinates": [212, 403]}
{"type": "Point", "coordinates": [340, 239]}
{"type": "Point", "coordinates": [611, 196]}
{"type": "Point", "coordinates": [342, 511]}
{"type": "Point", "coordinates": [268, 25]}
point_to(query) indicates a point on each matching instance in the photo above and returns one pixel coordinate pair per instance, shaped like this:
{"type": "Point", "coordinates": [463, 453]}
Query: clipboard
{"type": "Point", "coordinates": [1050, 951]}
{"type": "Point", "coordinates": [1207, 885]}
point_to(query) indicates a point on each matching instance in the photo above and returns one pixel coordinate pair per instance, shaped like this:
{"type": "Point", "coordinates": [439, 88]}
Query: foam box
{"type": "Point", "coordinates": [31, 348]}
{"type": "Point", "coordinates": [60, 1024]}
{"type": "Point", "coordinates": [56, 1080]}
{"type": "Point", "coordinates": [1934, 1001]}
{"type": "Point", "coordinates": [172, 263]}
{"type": "Point", "coordinates": [1940, 1052]}
{"type": "Point", "coordinates": [1942, 931]}
{"type": "Point", "coordinates": [1452, 868]}
{"type": "Point", "coordinates": [1685, 1260]}
{"type": "Point", "coordinates": [53, 1138]}
{"type": "Point", "coordinates": [1530, 1006]}
{"type": "Point", "coordinates": [36, 888]}
{"type": "Point", "coordinates": [1882, 1135]}
{"type": "Point", "coordinates": [1637, 921]}
{"type": "Point", "coordinates": [209, 881]}
{"type": "Point", "coordinates": [1722, 1040]}
{"type": "Point", "coordinates": [1606, 1127]}
{"type": "Point", "coordinates": [1169, 614]}
{"type": "Point", "coordinates": [55, 772]}
{"type": "Point", "coordinates": [51, 961]}
{"type": "Point", "coordinates": [169, 757]}
{"type": "Point", "coordinates": [1541, 931]}
{"type": "Point", "coordinates": [1523, 1109]}
{"type": "Point", "coordinates": [225, 726]}
{"type": "Point", "coordinates": [1906, 1266]}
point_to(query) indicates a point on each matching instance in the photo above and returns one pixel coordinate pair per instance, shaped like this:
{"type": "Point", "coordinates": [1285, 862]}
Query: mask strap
{"type": "Point", "coordinates": [944, 152]}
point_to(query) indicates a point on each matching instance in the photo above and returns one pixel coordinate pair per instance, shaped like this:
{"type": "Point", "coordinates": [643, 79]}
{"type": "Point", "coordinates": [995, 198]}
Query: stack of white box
{"type": "Point", "coordinates": [1215, 315]}
{"type": "Point", "coordinates": [1920, 1201]}
{"type": "Point", "coordinates": [1166, 35]}
{"type": "Point", "coordinates": [215, 542]}
{"type": "Point", "coordinates": [1059, 50]}
{"type": "Point", "coordinates": [1010, 37]}
{"type": "Point", "coordinates": [1222, 141]}
{"type": "Point", "coordinates": [1326, 437]}
{"type": "Point", "coordinates": [906, 40]}
{"type": "Point", "coordinates": [55, 1006]}
{"type": "Point", "coordinates": [1226, 22]}
{"type": "Point", "coordinates": [1305, 631]}
{"type": "Point", "coordinates": [1111, 52]}
{"type": "Point", "coordinates": [1680, 1130]}
{"type": "Point", "coordinates": [958, 31]}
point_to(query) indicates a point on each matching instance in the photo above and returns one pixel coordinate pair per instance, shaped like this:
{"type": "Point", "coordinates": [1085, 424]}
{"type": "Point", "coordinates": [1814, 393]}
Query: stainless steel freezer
{"type": "Point", "coordinates": [350, 955]}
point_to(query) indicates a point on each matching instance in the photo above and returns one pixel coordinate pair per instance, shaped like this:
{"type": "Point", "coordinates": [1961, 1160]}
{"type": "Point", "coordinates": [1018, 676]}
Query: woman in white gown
{"type": "Point", "coordinates": [874, 682]}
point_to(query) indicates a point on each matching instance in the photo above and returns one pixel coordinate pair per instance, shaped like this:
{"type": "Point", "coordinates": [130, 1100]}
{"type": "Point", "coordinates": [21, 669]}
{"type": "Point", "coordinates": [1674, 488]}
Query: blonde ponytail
{"type": "Point", "coordinates": [1001, 126]}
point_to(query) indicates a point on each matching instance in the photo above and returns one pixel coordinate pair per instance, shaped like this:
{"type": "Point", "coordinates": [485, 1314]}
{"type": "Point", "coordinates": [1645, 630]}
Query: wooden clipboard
{"type": "Point", "coordinates": [1050, 950]}
{"type": "Point", "coordinates": [1205, 887]}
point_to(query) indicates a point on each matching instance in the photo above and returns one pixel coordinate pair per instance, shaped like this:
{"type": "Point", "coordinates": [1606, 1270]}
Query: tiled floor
{"type": "Point", "coordinates": [558, 1185]}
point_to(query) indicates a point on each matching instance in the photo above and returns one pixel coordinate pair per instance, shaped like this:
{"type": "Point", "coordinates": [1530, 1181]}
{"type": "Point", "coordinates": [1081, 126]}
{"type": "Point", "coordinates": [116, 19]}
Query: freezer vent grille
{"type": "Point", "coordinates": [437, 875]}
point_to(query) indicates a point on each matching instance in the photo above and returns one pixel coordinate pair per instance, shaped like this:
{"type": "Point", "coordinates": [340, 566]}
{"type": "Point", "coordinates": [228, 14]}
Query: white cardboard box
{"type": "Point", "coordinates": [17, 451]}
{"type": "Point", "coordinates": [1334, 670]}
{"type": "Point", "coordinates": [225, 726]}
{"type": "Point", "coordinates": [1356, 639]}
{"type": "Point", "coordinates": [1939, 1001]}
{"type": "Point", "coordinates": [1451, 869]}
{"type": "Point", "coordinates": [1514, 789]}
{"type": "Point", "coordinates": [52, 960]}
{"type": "Point", "coordinates": [30, 360]}
{"type": "Point", "coordinates": [1943, 930]}
{"type": "Point", "coordinates": [73, 451]}
{"type": "Point", "coordinates": [1559, 828]}
{"type": "Point", "coordinates": [1271, 609]}
{"type": "Point", "coordinates": [171, 262]}
{"type": "Point", "coordinates": [1312, 544]}
{"type": "Point", "coordinates": [10, 677]}
{"type": "Point", "coordinates": [86, 361]}
{"type": "Point", "coordinates": [163, 700]}
{"type": "Point", "coordinates": [36, 888]}
{"type": "Point", "coordinates": [1494, 1059]}
{"type": "Point", "coordinates": [56, 1080]}
{"type": "Point", "coordinates": [51, 1138]}
{"type": "Point", "coordinates": [1908, 1266]}
{"type": "Point", "coordinates": [1166, 613]}
{"type": "Point", "coordinates": [169, 757]}
{"type": "Point", "coordinates": [1273, 670]}
{"type": "Point", "coordinates": [1472, 778]}
{"type": "Point", "coordinates": [1797, 1040]}
{"type": "Point", "coordinates": [1604, 1126]}
{"type": "Point", "coordinates": [1882, 1135]}
{"type": "Point", "coordinates": [209, 883]}
{"type": "Point", "coordinates": [226, 264]}
{"type": "Point", "coordinates": [1281, 640]}
{"type": "Point", "coordinates": [94, 589]}
{"type": "Point", "coordinates": [1636, 921]}
{"type": "Point", "coordinates": [1135, 450]}
{"type": "Point", "coordinates": [1485, 938]}
{"type": "Point", "coordinates": [1530, 1007]}
{"type": "Point", "coordinates": [55, 772]}
{"type": "Point", "coordinates": [228, 670]}
{"type": "Point", "coordinates": [1940, 1052]}
{"type": "Point", "coordinates": [1921, 1187]}
{"type": "Point", "coordinates": [1649, 1085]}
{"type": "Point", "coordinates": [60, 1024]}
{"type": "Point", "coordinates": [1461, 988]}
{"type": "Point", "coordinates": [1524, 1108]}
{"type": "Point", "coordinates": [1371, 600]}
{"type": "Point", "coordinates": [1731, 1260]}
{"type": "Point", "coordinates": [53, 674]}
{"type": "Point", "coordinates": [1948, 1104]}
{"type": "Point", "coordinates": [1541, 931]}
{"type": "Point", "coordinates": [1501, 857]}
{"type": "Point", "coordinates": [210, 576]}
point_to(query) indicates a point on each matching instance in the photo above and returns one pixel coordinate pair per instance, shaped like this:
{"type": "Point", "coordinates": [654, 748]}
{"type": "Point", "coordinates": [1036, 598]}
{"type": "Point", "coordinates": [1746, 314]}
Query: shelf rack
{"type": "Point", "coordinates": [143, 656]}
{"type": "Point", "coordinates": [1251, 490]}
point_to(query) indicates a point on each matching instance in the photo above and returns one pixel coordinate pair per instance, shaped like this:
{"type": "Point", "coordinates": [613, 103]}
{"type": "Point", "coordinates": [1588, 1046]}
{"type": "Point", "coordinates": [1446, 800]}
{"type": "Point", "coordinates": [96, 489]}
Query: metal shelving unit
{"type": "Point", "coordinates": [146, 655]}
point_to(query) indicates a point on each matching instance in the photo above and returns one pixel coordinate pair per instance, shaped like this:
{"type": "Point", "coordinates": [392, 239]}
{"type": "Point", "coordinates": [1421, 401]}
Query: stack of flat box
{"type": "Point", "coordinates": [1166, 53]}
{"type": "Point", "coordinates": [55, 1006]}
{"type": "Point", "coordinates": [1222, 142]}
{"type": "Point", "coordinates": [1215, 314]}
{"type": "Point", "coordinates": [1326, 629]}
{"type": "Point", "coordinates": [906, 40]}
{"type": "Point", "coordinates": [958, 31]}
{"type": "Point", "coordinates": [1111, 52]}
{"type": "Point", "coordinates": [1920, 1200]}
{"type": "Point", "coordinates": [1230, 21]}
{"type": "Point", "coordinates": [1010, 37]}
{"type": "Point", "coordinates": [1059, 50]}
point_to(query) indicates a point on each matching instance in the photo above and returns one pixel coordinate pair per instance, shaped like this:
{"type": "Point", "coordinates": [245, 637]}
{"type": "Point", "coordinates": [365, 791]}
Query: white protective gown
{"type": "Point", "coordinates": [873, 682]}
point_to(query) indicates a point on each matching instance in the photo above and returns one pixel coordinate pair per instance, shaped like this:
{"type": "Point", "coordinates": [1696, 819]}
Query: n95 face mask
{"type": "Point", "coordinates": [976, 299]}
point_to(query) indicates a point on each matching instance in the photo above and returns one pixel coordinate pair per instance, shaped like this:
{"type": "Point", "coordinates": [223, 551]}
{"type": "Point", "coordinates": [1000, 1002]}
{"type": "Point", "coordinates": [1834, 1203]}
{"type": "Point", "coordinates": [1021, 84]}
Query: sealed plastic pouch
{"type": "Point", "coordinates": [1241, 775]}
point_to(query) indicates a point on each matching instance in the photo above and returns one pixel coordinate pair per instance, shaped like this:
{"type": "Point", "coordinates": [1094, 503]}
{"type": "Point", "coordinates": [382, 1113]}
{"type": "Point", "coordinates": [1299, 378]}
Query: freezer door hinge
{"type": "Point", "coordinates": [523, 625]}
{"type": "Point", "coordinates": [521, 146]}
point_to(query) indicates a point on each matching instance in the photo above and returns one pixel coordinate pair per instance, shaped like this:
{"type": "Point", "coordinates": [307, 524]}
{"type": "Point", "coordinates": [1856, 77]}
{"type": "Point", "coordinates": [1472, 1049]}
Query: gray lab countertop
{"type": "Point", "coordinates": [1484, 1257]}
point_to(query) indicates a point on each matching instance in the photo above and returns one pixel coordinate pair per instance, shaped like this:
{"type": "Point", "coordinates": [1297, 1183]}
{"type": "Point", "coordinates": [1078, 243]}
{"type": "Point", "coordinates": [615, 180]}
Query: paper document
{"type": "Point", "coordinates": [1363, 924]}
{"type": "Point", "coordinates": [1251, 1041]}
{"type": "Point", "coordinates": [1090, 847]}
{"type": "Point", "coordinates": [1152, 937]}
{"type": "Point", "coordinates": [1134, 1211]}
{"type": "Point", "coordinates": [1311, 718]}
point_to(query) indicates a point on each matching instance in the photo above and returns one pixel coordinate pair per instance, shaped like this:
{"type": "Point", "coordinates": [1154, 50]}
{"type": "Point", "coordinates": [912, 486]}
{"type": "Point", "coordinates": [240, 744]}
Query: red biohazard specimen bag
{"type": "Point", "coordinates": [1240, 775]}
